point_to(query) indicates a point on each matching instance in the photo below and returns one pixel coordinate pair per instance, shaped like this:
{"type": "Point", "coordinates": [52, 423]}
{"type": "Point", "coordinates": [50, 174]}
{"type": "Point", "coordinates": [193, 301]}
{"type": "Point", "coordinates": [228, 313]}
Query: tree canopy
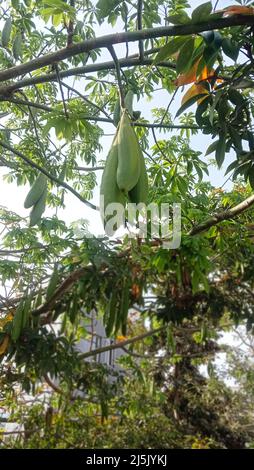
{"type": "Point", "coordinates": [66, 68]}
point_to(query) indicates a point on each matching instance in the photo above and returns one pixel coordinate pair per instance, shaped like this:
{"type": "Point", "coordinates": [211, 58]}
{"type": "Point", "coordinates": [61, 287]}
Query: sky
{"type": "Point", "coordinates": [12, 196]}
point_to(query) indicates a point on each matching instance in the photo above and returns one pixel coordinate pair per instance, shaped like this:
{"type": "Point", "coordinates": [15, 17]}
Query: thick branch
{"type": "Point", "coordinates": [123, 37]}
{"type": "Point", "coordinates": [225, 215]}
{"type": "Point", "coordinates": [26, 103]}
{"type": "Point", "coordinates": [84, 69]}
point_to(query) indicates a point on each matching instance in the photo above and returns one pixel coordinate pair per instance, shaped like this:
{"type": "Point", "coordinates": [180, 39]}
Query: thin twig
{"type": "Point", "coordinates": [139, 27]}
{"type": "Point", "coordinates": [61, 90]}
{"type": "Point", "coordinates": [118, 75]}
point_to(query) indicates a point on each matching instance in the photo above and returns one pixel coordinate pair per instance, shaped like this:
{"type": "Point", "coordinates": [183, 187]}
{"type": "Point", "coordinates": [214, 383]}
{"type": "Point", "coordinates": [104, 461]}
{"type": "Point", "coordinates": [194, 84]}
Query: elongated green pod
{"type": "Point", "coordinates": [128, 169]}
{"type": "Point", "coordinates": [52, 283]}
{"type": "Point", "coordinates": [121, 321]}
{"type": "Point", "coordinates": [26, 311]}
{"type": "Point", "coordinates": [6, 33]}
{"type": "Point", "coordinates": [139, 193]}
{"type": "Point", "coordinates": [38, 209]}
{"type": "Point", "coordinates": [117, 113]}
{"type": "Point", "coordinates": [111, 314]}
{"type": "Point", "coordinates": [36, 191]}
{"type": "Point", "coordinates": [17, 324]}
{"type": "Point", "coordinates": [109, 188]}
{"type": "Point", "coordinates": [17, 46]}
{"type": "Point", "coordinates": [128, 101]}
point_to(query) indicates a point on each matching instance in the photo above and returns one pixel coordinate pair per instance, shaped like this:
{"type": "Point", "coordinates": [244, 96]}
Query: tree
{"type": "Point", "coordinates": [56, 96]}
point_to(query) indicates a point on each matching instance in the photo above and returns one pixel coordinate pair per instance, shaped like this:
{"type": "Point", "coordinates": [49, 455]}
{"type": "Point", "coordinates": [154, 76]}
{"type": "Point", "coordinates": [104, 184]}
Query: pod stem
{"type": "Point", "coordinates": [118, 75]}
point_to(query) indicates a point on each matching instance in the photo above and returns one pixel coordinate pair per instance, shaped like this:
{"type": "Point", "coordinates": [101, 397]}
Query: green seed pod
{"type": "Point", "coordinates": [36, 191]}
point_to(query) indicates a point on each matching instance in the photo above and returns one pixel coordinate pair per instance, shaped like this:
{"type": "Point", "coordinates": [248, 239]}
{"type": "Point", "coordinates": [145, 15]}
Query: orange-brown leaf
{"type": "Point", "coordinates": [189, 77]}
{"type": "Point", "coordinates": [238, 10]}
{"type": "Point", "coordinates": [4, 344]}
{"type": "Point", "coordinates": [120, 338]}
{"type": "Point", "coordinates": [206, 74]}
{"type": "Point", "coordinates": [194, 90]}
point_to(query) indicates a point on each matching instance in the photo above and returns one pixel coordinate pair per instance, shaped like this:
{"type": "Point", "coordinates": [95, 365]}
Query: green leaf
{"type": "Point", "coordinates": [236, 97]}
{"type": "Point", "coordinates": [105, 7]}
{"type": "Point", "coordinates": [231, 167]}
{"type": "Point", "coordinates": [221, 150]}
{"type": "Point", "coordinates": [179, 18]}
{"type": "Point", "coordinates": [251, 177]}
{"type": "Point", "coordinates": [202, 12]}
{"type": "Point", "coordinates": [208, 36]}
{"type": "Point", "coordinates": [190, 102]}
{"type": "Point", "coordinates": [215, 102]}
{"type": "Point", "coordinates": [210, 55]}
{"type": "Point", "coordinates": [230, 49]}
{"type": "Point", "coordinates": [212, 148]}
{"type": "Point", "coordinates": [184, 58]}
{"type": "Point", "coordinates": [170, 48]}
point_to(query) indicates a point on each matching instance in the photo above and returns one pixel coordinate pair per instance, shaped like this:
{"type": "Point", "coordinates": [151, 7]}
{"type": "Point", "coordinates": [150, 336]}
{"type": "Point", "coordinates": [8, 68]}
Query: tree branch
{"type": "Point", "coordinates": [123, 37]}
{"type": "Point", "coordinates": [224, 215]}
{"type": "Point", "coordinates": [121, 343]}
{"type": "Point", "coordinates": [132, 60]}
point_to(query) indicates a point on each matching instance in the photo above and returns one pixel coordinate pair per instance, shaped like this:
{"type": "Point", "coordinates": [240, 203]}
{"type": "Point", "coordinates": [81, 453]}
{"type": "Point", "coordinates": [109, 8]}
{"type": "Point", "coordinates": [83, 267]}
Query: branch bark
{"type": "Point", "coordinates": [224, 215]}
{"type": "Point", "coordinates": [132, 60]}
{"type": "Point", "coordinates": [123, 37]}
{"type": "Point", "coordinates": [120, 344]}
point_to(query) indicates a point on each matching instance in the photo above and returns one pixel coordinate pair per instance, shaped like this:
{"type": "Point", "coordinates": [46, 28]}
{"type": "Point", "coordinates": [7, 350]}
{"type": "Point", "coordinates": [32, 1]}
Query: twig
{"type": "Point", "coordinates": [118, 75]}
{"type": "Point", "coordinates": [89, 168]}
{"type": "Point", "coordinates": [169, 104]}
{"type": "Point", "coordinates": [61, 90]}
{"type": "Point", "coordinates": [26, 103]}
{"type": "Point", "coordinates": [159, 147]}
{"type": "Point", "coordinates": [52, 385]}
{"type": "Point", "coordinates": [139, 27]}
